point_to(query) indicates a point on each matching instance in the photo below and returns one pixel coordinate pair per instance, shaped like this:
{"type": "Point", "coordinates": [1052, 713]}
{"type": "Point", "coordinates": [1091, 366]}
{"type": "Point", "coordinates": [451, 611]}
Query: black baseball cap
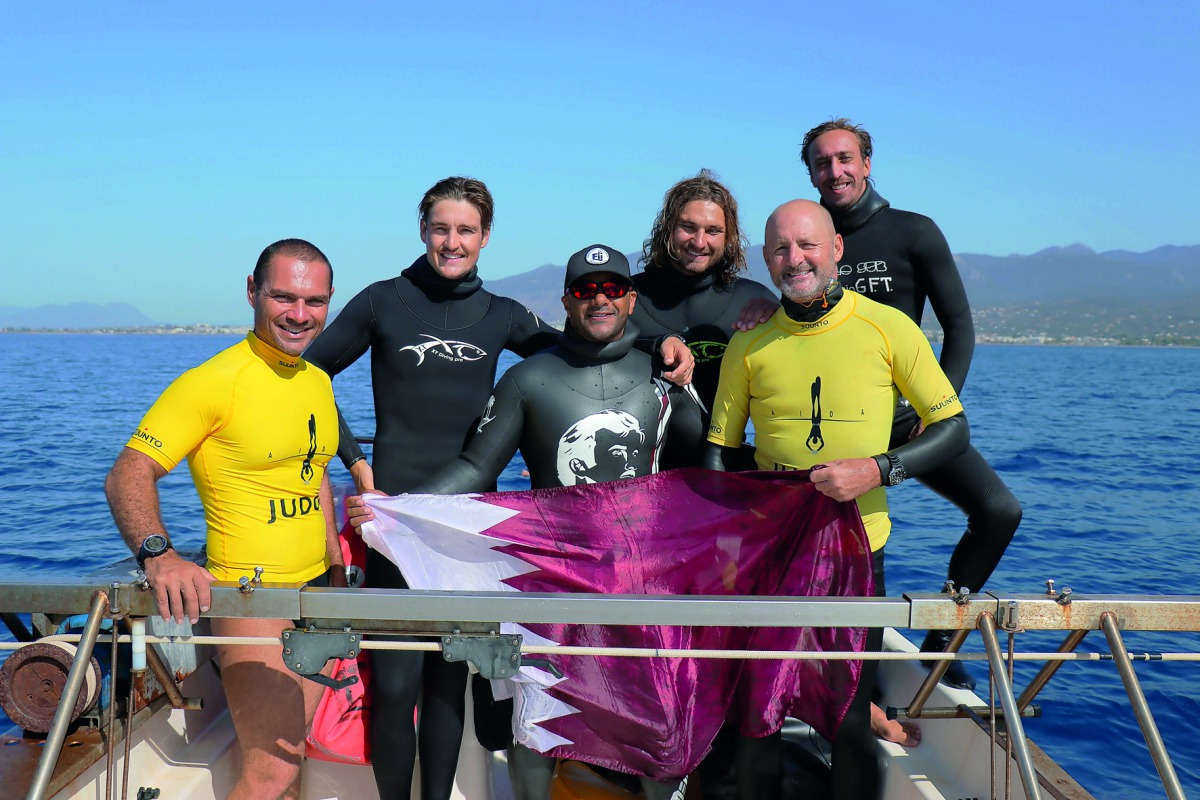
{"type": "Point", "coordinates": [596, 258]}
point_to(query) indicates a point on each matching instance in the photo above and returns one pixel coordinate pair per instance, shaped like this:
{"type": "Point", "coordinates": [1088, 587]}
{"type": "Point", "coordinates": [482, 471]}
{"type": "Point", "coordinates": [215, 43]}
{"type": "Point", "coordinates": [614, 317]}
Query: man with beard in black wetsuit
{"type": "Point", "coordinates": [589, 409]}
{"type": "Point", "coordinates": [901, 259]}
{"type": "Point", "coordinates": [690, 285]}
{"type": "Point", "coordinates": [690, 282]}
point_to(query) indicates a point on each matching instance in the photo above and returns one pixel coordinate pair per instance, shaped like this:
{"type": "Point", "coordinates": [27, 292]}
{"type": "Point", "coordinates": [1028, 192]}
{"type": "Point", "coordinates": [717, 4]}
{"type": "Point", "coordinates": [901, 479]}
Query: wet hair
{"type": "Point", "coordinates": [839, 124]}
{"type": "Point", "coordinates": [293, 248]}
{"type": "Point", "coordinates": [656, 251]}
{"type": "Point", "coordinates": [459, 188]}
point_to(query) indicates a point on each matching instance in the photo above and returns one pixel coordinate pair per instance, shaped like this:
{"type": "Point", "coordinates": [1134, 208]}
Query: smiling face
{"type": "Point", "coordinates": [698, 237]}
{"type": "Point", "coordinates": [292, 303]}
{"type": "Point", "coordinates": [837, 168]}
{"type": "Point", "coordinates": [802, 250]}
{"type": "Point", "coordinates": [453, 235]}
{"type": "Point", "coordinates": [600, 318]}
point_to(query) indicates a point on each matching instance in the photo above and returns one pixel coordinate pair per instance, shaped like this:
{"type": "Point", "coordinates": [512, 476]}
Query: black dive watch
{"type": "Point", "coordinates": [891, 470]}
{"type": "Point", "coordinates": [152, 547]}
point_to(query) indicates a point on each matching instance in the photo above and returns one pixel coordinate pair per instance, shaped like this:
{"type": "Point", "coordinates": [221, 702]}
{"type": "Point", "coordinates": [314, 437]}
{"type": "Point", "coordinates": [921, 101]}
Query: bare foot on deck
{"type": "Point", "coordinates": [893, 730]}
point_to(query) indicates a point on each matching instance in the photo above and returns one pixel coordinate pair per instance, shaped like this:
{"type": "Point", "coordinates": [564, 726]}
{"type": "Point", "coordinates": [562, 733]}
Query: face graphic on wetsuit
{"type": "Point", "coordinates": [600, 447]}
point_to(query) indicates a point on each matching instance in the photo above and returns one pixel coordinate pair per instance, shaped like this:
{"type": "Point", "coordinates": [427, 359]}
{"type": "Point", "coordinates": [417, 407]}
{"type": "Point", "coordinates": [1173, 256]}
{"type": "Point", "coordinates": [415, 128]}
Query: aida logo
{"type": "Point", "coordinates": [306, 470]}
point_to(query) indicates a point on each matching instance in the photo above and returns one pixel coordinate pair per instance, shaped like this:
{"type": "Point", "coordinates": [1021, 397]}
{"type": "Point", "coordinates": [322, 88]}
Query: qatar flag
{"type": "Point", "coordinates": [681, 532]}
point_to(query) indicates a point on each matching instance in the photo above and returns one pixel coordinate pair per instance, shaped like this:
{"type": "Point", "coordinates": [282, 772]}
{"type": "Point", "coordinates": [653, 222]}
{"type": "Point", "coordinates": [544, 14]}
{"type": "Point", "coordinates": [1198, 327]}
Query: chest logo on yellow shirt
{"type": "Point", "coordinates": [306, 470]}
{"type": "Point", "coordinates": [815, 441]}
{"type": "Point", "coordinates": [448, 349]}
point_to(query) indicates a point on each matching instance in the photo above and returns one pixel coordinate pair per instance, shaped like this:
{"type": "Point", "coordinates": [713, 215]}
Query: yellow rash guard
{"type": "Point", "coordinates": [257, 427]}
{"type": "Point", "coordinates": [826, 390]}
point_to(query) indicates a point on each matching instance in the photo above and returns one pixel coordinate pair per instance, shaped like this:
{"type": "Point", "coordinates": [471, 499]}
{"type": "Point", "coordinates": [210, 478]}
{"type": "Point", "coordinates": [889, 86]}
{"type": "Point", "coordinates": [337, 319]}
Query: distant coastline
{"type": "Point", "coordinates": [1038, 339]}
{"type": "Point", "coordinates": [141, 329]}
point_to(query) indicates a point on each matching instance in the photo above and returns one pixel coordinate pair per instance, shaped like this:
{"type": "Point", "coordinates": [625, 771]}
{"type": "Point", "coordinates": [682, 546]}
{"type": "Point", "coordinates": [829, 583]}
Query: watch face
{"type": "Point", "coordinates": [154, 545]}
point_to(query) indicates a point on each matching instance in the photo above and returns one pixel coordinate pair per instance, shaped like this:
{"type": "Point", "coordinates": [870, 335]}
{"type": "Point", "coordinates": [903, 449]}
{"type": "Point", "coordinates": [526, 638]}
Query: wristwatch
{"type": "Point", "coordinates": [891, 471]}
{"type": "Point", "coordinates": [152, 546]}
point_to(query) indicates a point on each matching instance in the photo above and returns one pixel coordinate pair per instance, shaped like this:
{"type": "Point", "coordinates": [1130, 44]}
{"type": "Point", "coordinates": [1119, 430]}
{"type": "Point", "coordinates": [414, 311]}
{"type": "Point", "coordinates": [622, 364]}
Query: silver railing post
{"type": "Point", "coordinates": [1137, 699]}
{"type": "Point", "coordinates": [66, 704]}
{"type": "Point", "coordinates": [917, 705]}
{"type": "Point", "coordinates": [1016, 731]}
{"type": "Point", "coordinates": [1047, 671]}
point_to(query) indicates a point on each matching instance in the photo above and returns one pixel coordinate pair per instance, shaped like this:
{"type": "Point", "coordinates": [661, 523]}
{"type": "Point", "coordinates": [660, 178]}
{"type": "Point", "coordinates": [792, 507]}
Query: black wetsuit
{"type": "Point", "coordinates": [577, 391]}
{"type": "Point", "coordinates": [581, 412]}
{"type": "Point", "coordinates": [434, 348]}
{"type": "Point", "coordinates": [901, 259]}
{"type": "Point", "coordinates": [703, 313]}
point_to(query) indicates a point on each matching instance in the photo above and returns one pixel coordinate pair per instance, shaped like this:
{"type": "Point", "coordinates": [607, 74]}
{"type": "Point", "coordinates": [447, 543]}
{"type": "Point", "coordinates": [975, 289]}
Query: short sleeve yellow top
{"type": "Point", "coordinates": [258, 428]}
{"type": "Point", "coordinates": [826, 390]}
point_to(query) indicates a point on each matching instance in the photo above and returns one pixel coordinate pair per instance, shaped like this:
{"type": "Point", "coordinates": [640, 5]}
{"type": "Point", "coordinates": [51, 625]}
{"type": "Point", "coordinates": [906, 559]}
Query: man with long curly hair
{"type": "Point", "coordinates": [690, 284]}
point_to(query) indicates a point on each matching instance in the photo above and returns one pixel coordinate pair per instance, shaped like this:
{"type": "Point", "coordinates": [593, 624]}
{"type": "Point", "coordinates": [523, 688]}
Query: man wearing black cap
{"type": "Point", "coordinates": [589, 409]}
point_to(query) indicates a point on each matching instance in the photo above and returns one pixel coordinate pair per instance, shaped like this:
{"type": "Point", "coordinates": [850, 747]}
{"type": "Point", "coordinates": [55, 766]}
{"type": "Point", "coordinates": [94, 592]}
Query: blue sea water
{"type": "Point", "coordinates": [1100, 444]}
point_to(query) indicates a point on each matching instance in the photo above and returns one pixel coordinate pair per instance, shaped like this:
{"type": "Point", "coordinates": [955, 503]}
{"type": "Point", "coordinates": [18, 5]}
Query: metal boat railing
{"type": "Point", "coordinates": [474, 618]}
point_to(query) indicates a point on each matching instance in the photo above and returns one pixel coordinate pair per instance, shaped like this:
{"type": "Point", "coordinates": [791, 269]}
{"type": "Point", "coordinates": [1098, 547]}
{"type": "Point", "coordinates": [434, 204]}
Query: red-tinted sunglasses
{"type": "Point", "coordinates": [613, 290]}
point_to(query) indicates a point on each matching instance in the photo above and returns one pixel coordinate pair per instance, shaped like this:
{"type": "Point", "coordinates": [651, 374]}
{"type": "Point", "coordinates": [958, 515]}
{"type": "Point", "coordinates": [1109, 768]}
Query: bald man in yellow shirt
{"type": "Point", "coordinates": [819, 381]}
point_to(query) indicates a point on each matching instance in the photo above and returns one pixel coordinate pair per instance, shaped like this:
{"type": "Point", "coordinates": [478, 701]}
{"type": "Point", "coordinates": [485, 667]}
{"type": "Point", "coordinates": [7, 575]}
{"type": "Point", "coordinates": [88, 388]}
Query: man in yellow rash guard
{"type": "Point", "coordinates": [825, 390]}
{"type": "Point", "coordinates": [819, 381]}
{"type": "Point", "coordinates": [258, 426]}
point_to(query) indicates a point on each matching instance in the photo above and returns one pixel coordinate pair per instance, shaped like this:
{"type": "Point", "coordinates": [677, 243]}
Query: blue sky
{"type": "Point", "coordinates": [148, 151]}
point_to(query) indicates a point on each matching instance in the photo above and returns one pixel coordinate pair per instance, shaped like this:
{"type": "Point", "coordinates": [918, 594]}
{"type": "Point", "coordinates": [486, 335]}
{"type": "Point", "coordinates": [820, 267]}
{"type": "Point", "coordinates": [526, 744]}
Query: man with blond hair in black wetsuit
{"type": "Point", "coordinates": [901, 259]}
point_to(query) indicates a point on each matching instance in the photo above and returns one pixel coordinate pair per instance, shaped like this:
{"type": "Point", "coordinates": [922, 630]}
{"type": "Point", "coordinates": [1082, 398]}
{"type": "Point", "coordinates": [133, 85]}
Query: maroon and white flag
{"type": "Point", "coordinates": [682, 532]}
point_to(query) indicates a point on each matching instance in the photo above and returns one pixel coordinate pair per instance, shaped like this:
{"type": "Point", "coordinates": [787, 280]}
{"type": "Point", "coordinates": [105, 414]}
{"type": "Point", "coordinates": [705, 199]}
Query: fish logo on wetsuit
{"type": "Point", "coordinates": [449, 349]}
{"type": "Point", "coordinates": [707, 351]}
{"type": "Point", "coordinates": [600, 447]}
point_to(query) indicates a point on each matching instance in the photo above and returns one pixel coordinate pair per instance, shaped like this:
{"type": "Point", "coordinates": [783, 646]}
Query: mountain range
{"type": "Point", "coordinates": [74, 316]}
{"type": "Point", "coordinates": [1061, 293]}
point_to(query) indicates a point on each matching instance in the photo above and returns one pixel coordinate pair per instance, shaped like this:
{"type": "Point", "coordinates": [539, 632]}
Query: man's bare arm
{"type": "Point", "coordinates": [181, 588]}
